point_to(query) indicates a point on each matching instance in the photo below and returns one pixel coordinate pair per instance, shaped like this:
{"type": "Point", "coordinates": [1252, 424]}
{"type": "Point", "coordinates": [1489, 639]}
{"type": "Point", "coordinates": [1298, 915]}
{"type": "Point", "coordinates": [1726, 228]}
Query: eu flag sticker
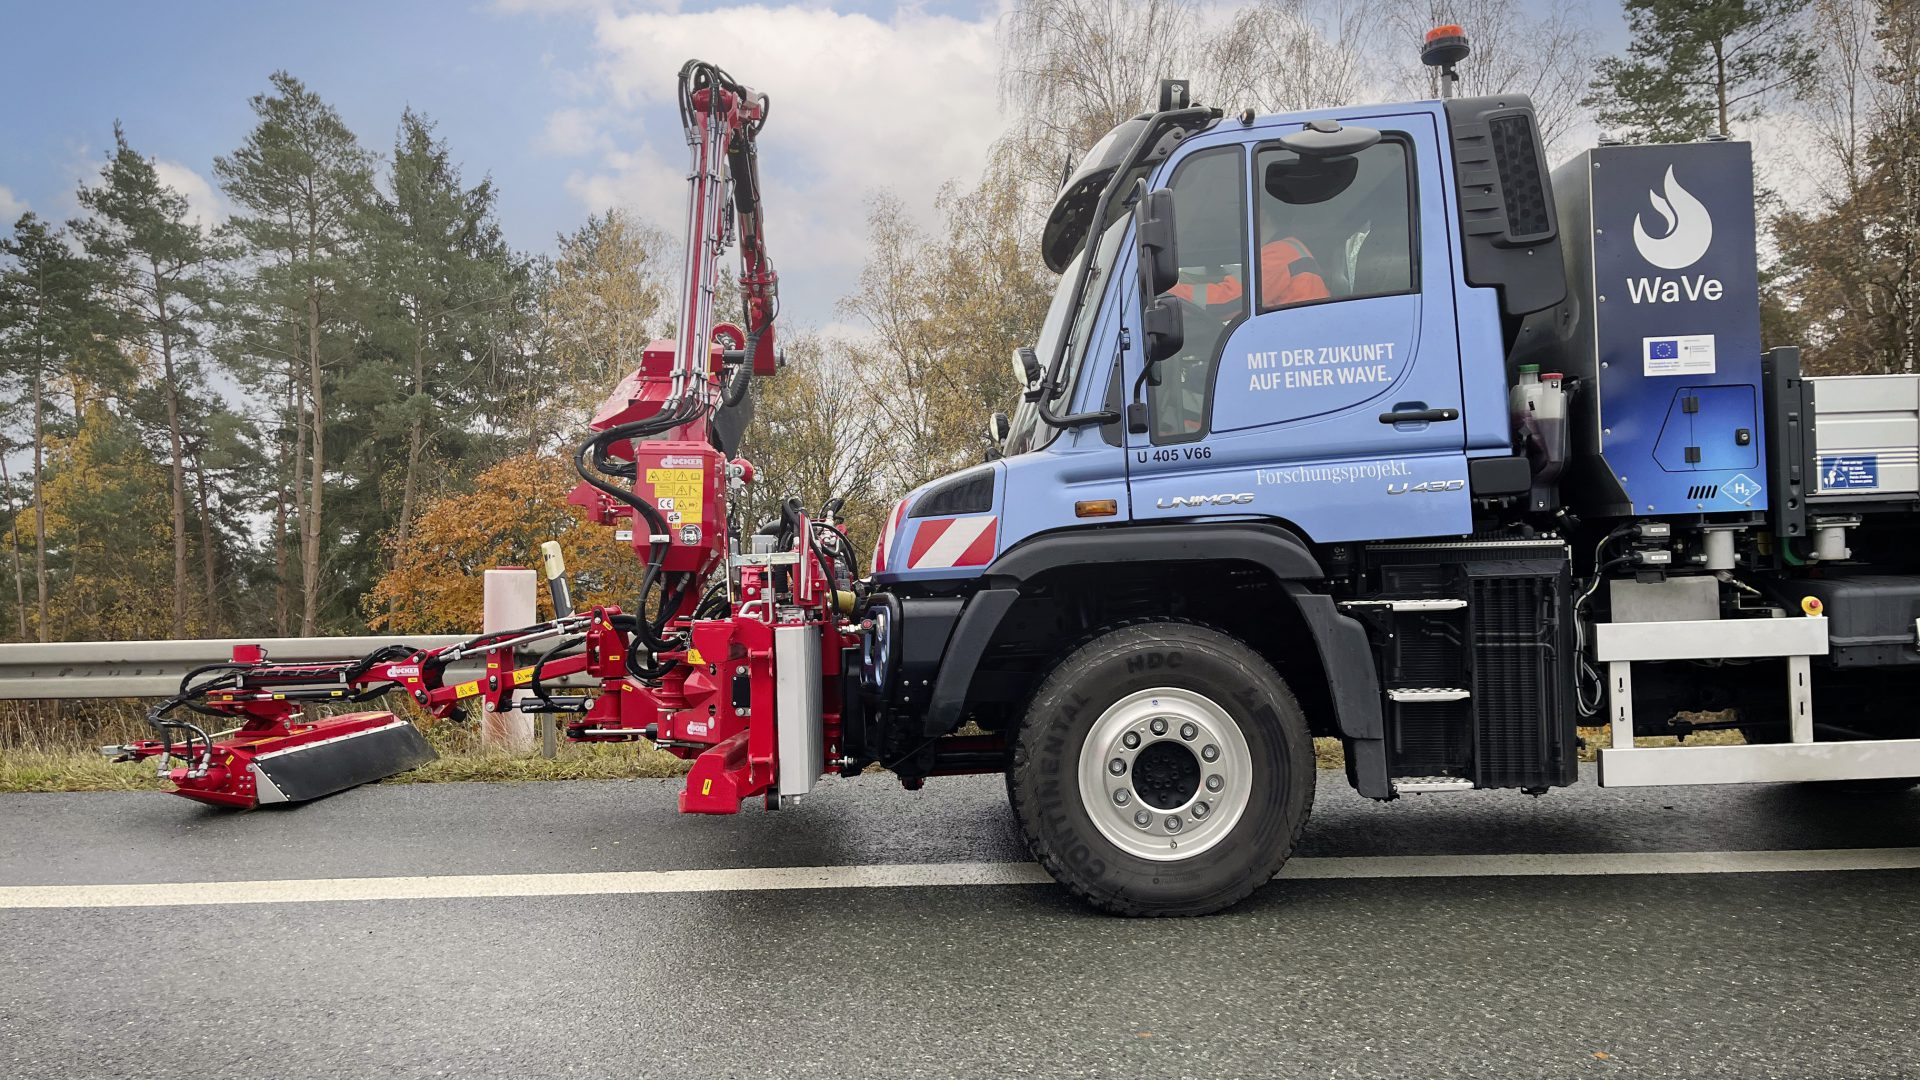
{"type": "Point", "coordinates": [1685, 354]}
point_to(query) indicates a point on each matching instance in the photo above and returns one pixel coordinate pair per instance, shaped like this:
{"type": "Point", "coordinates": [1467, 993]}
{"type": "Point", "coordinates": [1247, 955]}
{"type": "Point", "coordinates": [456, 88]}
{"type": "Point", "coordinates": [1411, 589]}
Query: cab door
{"type": "Point", "coordinates": [1319, 378]}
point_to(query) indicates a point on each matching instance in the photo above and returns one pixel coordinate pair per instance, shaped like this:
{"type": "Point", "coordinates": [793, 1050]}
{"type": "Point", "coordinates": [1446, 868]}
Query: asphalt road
{"type": "Point", "coordinates": [1806, 974]}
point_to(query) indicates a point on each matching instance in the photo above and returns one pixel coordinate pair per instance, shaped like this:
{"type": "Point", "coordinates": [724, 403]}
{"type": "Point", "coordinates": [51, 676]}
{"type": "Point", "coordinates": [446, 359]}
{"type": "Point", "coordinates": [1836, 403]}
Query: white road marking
{"type": "Point", "coordinates": [462, 886]}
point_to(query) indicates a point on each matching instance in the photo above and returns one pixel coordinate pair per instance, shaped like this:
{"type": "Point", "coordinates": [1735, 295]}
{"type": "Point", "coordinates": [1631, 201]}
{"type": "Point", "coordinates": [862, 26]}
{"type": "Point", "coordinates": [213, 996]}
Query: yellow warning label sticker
{"type": "Point", "coordinates": [679, 494]}
{"type": "Point", "coordinates": [694, 657]}
{"type": "Point", "coordinates": [467, 689]}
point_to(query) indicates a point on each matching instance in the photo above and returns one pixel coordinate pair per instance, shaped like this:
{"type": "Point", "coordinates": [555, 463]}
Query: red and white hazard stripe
{"type": "Point", "coordinates": [961, 541]}
{"type": "Point", "coordinates": [887, 534]}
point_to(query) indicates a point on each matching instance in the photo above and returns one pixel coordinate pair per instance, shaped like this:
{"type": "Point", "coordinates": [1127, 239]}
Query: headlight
{"type": "Point", "coordinates": [877, 644]}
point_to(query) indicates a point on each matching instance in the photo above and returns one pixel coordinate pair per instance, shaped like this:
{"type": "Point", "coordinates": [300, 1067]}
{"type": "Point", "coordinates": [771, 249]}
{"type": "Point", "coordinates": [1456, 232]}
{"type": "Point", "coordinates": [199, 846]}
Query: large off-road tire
{"type": "Point", "coordinates": [1163, 768]}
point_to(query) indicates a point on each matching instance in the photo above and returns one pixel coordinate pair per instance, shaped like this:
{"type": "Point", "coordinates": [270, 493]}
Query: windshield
{"type": "Point", "coordinates": [1026, 430]}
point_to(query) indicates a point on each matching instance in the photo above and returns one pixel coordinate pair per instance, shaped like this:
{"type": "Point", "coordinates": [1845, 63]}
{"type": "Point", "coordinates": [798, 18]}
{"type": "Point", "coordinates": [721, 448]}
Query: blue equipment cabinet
{"type": "Point", "coordinates": [1662, 328]}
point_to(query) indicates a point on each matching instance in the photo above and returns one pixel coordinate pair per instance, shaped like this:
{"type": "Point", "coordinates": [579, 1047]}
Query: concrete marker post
{"type": "Point", "coordinates": [507, 603]}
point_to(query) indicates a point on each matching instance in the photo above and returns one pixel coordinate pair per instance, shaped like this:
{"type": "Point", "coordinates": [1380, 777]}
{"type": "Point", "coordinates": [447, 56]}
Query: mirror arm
{"type": "Point", "coordinates": [1074, 420]}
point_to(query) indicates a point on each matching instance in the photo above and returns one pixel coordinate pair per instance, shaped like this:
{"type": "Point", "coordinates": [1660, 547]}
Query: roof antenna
{"type": "Point", "coordinates": [1445, 47]}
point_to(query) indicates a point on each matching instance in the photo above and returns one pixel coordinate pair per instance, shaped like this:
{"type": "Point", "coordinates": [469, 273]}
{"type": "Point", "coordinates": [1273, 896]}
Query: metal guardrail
{"type": "Point", "coordinates": [114, 669]}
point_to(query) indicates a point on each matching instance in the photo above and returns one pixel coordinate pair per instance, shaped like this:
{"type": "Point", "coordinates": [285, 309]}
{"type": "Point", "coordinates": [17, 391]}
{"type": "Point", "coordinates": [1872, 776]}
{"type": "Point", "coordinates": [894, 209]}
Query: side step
{"type": "Point", "coordinates": [1430, 785]}
{"type": "Point", "coordinates": [1428, 693]}
{"type": "Point", "coordinates": [1416, 604]}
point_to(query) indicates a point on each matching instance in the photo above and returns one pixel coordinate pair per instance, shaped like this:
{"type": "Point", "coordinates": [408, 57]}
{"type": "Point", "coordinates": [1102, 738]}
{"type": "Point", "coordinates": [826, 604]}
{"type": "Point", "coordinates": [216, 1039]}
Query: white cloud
{"type": "Point", "coordinates": [573, 133]}
{"type": "Point", "coordinates": [859, 105]}
{"type": "Point", "coordinates": [205, 205]}
{"type": "Point", "coordinates": [11, 207]}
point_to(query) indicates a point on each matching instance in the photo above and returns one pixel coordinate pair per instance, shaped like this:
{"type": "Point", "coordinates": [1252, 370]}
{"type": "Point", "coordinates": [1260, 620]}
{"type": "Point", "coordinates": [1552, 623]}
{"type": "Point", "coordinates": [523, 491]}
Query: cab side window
{"type": "Point", "coordinates": [1334, 229]}
{"type": "Point", "coordinates": [1210, 237]}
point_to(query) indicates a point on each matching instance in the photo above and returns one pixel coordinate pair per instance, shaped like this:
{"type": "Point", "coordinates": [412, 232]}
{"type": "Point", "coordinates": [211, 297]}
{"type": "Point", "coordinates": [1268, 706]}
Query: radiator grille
{"type": "Point", "coordinates": [1517, 160]}
{"type": "Point", "coordinates": [1515, 632]}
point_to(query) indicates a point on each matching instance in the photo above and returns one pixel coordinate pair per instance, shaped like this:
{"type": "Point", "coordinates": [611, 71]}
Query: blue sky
{"type": "Point", "coordinates": [179, 76]}
{"type": "Point", "coordinates": [567, 104]}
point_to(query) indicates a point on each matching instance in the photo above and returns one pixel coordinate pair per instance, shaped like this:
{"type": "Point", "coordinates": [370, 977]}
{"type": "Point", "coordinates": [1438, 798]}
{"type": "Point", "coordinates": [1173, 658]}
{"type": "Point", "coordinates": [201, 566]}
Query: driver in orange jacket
{"type": "Point", "coordinates": [1288, 275]}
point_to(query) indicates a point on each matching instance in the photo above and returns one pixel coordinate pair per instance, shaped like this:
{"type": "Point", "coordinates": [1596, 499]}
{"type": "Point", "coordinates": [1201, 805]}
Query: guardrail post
{"type": "Point", "coordinates": [507, 602]}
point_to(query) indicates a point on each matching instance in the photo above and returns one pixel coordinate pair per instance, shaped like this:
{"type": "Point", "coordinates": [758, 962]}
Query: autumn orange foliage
{"type": "Point", "coordinates": [435, 584]}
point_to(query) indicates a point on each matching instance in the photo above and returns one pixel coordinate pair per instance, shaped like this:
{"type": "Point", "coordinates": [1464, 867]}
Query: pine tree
{"type": "Point", "coordinates": [1695, 67]}
{"type": "Point", "coordinates": [447, 283]}
{"type": "Point", "coordinates": [50, 330]}
{"type": "Point", "coordinates": [155, 261]}
{"type": "Point", "coordinates": [304, 186]}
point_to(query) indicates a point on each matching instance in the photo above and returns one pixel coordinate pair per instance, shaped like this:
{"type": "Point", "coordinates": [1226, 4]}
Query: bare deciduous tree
{"type": "Point", "coordinates": [1548, 57]}
{"type": "Point", "coordinates": [1291, 55]}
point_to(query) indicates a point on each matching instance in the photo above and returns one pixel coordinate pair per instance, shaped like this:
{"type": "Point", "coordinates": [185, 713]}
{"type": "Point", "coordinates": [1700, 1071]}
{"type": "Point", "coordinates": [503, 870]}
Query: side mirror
{"type": "Point", "coordinates": [1026, 368]}
{"type": "Point", "coordinates": [1153, 235]}
{"type": "Point", "coordinates": [1161, 324]}
{"type": "Point", "coordinates": [998, 427]}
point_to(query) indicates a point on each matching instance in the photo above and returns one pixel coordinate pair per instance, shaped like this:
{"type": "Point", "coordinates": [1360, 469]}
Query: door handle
{"type": "Point", "coordinates": [1419, 416]}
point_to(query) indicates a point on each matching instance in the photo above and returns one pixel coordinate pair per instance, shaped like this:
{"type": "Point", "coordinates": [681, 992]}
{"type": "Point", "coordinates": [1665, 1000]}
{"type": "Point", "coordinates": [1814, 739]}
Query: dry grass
{"type": "Point", "coordinates": [605, 762]}
{"type": "Point", "coordinates": [54, 750]}
{"type": "Point", "coordinates": [71, 770]}
{"type": "Point", "coordinates": [76, 770]}
{"type": "Point", "coordinates": [60, 756]}
{"type": "Point", "coordinates": [1599, 738]}
{"type": "Point", "coordinates": [1328, 754]}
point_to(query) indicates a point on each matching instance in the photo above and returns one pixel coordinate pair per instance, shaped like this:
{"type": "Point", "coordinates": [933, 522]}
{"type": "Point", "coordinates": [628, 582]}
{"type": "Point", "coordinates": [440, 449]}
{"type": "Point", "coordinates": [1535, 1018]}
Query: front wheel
{"type": "Point", "coordinates": [1163, 769]}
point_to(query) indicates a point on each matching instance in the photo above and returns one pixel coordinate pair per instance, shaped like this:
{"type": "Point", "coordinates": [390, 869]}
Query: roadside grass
{"type": "Point", "coordinates": [65, 758]}
{"type": "Point", "coordinates": [76, 768]}
{"type": "Point", "coordinates": [71, 770]}
{"type": "Point", "coordinates": [79, 770]}
{"type": "Point", "coordinates": [1328, 754]}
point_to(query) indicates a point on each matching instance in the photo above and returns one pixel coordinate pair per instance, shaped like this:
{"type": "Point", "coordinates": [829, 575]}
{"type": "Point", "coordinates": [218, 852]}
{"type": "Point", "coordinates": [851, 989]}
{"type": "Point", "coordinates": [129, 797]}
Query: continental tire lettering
{"type": "Point", "coordinates": [1082, 856]}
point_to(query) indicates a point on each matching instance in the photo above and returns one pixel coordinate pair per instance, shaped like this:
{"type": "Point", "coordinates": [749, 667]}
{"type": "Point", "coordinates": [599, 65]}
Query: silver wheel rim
{"type": "Point", "coordinates": [1133, 779]}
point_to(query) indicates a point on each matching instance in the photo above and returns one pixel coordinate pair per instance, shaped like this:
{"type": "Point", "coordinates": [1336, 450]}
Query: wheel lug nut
{"type": "Point", "coordinates": [1200, 810]}
{"type": "Point", "coordinates": [1122, 797]}
{"type": "Point", "coordinates": [1210, 752]}
{"type": "Point", "coordinates": [1188, 732]}
{"type": "Point", "coordinates": [1214, 783]}
{"type": "Point", "coordinates": [1173, 824]}
{"type": "Point", "coordinates": [1130, 740]}
{"type": "Point", "coordinates": [1159, 726]}
{"type": "Point", "coordinates": [1117, 767]}
{"type": "Point", "coordinates": [1142, 819]}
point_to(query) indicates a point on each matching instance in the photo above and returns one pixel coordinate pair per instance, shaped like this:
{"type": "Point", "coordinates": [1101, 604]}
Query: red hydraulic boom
{"type": "Point", "coordinates": [725, 635]}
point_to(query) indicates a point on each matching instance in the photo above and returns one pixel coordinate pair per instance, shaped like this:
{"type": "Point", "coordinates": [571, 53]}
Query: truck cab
{"type": "Point", "coordinates": [1355, 424]}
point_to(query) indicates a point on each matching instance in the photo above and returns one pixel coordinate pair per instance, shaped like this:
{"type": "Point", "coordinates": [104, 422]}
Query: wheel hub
{"type": "Point", "coordinates": [1165, 773]}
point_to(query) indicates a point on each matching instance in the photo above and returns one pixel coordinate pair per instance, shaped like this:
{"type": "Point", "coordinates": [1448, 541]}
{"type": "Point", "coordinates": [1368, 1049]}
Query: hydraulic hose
{"type": "Point", "coordinates": [550, 653]}
{"type": "Point", "coordinates": [742, 375]}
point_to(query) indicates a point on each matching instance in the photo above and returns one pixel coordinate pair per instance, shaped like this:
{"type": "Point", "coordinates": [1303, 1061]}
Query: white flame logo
{"type": "Point", "coordinates": [1689, 228]}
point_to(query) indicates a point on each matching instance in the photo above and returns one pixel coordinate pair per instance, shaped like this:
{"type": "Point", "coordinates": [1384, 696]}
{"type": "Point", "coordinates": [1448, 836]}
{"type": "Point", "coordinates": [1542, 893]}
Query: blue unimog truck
{"type": "Point", "coordinates": [1360, 424]}
{"type": "Point", "coordinates": [1355, 424]}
